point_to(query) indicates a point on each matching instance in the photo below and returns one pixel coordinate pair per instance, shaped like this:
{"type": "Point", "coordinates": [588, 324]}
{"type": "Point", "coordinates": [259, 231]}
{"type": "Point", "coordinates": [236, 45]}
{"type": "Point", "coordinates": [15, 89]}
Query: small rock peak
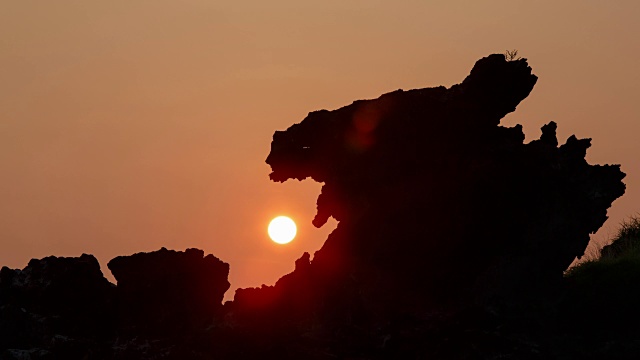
{"type": "Point", "coordinates": [303, 262]}
{"type": "Point", "coordinates": [549, 134]}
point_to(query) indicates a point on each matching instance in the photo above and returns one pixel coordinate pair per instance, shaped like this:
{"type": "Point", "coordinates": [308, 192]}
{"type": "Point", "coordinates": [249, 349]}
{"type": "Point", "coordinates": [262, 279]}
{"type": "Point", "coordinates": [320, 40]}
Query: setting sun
{"type": "Point", "coordinates": [282, 230]}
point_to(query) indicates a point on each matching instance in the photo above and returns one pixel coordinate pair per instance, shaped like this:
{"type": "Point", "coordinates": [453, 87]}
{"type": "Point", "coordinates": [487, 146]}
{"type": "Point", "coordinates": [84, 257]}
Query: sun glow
{"type": "Point", "coordinates": [282, 230]}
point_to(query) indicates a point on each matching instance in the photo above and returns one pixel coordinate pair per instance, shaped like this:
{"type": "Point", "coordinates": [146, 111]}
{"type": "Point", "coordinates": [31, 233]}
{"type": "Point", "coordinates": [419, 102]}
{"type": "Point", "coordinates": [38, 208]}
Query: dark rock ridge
{"type": "Point", "coordinates": [452, 241]}
{"type": "Point", "coordinates": [437, 203]}
{"type": "Point", "coordinates": [64, 308]}
{"type": "Point", "coordinates": [168, 291]}
{"type": "Point", "coordinates": [54, 301]}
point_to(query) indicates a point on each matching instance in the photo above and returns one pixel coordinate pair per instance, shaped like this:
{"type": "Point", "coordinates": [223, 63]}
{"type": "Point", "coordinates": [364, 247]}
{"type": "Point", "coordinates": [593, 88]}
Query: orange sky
{"type": "Point", "coordinates": [126, 126]}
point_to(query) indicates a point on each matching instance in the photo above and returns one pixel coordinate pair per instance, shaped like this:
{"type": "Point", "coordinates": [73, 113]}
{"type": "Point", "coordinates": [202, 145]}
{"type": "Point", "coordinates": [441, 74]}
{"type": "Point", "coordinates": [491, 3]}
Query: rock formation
{"type": "Point", "coordinates": [55, 303]}
{"type": "Point", "coordinates": [447, 223]}
{"type": "Point", "coordinates": [437, 203]}
{"type": "Point", "coordinates": [64, 308]}
{"type": "Point", "coordinates": [168, 292]}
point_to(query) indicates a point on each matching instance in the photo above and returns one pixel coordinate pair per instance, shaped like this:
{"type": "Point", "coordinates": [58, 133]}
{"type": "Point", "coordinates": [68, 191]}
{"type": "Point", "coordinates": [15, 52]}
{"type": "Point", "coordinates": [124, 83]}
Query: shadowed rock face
{"type": "Point", "coordinates": [55, 296]}
{"type": "Point", "coordinates": [437, 202]}
{"type": "Point", "coordinates": [63, 308]}
{"type": "Point", "coordinates": [168, 292]}
{"type": "Point", "coordinates": [443, 214]}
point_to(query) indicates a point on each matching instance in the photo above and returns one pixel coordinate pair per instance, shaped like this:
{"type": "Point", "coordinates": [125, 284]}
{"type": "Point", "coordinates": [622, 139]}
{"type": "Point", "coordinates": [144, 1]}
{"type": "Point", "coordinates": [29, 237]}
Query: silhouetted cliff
{"type": "Point", "coordinates": [64, 308]}
{"type": "Point", "coordinates": [438, 205]}
{"type": "Point", "coordinates": [169, 292]}
{"type": "Point", "coordinates": [452, 241]}
{"type": "Point", "coordinates": [55, 305]}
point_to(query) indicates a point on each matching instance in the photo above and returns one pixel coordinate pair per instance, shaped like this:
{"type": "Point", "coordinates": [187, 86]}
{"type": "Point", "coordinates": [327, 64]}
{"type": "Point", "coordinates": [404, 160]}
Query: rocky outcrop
{"type": "Point", "coordinates": [438, 204]}
{"type": "Point", "coordinates": [168, 292]}
{"type": "Point", "coordinates": [59, 304]}
{"type": "Point", "coordinates": [447, 222]}
{"type": "Point", "coordinates": [59, 308]}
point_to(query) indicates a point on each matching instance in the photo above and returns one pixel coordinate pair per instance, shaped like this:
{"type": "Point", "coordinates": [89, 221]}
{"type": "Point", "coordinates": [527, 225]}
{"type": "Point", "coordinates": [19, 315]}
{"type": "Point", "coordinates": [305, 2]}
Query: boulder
{"type": "Point", "coordinates": [168, 292]}
{"type": "Point", "coordinates": [66, 297]}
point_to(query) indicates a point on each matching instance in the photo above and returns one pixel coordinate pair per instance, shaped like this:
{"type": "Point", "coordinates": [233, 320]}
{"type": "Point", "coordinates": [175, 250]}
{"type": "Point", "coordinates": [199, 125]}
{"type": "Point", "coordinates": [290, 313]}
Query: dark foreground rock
{"type": "Point", "coordinates": [439, 206]}
{"type": "Point", "coordinates": [452, 241]}
{"type": "Point", "coordinates": [63, 308]}
{"type": "Point", "coordinates": [55, 305]}
{"type": "Point", "coordinates": [168, 292]}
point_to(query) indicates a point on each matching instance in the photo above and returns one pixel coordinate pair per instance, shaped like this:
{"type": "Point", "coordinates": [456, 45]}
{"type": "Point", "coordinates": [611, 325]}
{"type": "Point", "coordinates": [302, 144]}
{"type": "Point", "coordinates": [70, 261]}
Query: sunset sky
{"type": "Point", "coordinates": [126, 126]}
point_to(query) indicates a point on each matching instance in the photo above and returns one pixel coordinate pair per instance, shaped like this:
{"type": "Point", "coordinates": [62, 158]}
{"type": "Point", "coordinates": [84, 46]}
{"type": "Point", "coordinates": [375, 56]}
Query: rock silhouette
{"type": "Point", "coordinates": [452, 241]}
{"type": "Point", "coordinates": [437, 203]}
{"type": "Point", "coordinates": [169, 292]}
{"type": "Point", "coordinates": [56, 303]}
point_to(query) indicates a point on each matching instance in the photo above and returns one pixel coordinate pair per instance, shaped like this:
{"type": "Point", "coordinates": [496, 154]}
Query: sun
{"type": "Point", "coordinates": [282, 230]}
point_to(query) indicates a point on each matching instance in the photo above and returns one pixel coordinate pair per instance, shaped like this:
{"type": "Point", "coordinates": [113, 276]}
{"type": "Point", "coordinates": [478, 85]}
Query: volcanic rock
{"type": "Point", "coordinates": [168, 292]}
{"type": "Point", "coordinates": [438, 204]}
{"type": "Point", "coordinates": [55, 299]}
{"type": "Point", "coordinates": [448, 222]}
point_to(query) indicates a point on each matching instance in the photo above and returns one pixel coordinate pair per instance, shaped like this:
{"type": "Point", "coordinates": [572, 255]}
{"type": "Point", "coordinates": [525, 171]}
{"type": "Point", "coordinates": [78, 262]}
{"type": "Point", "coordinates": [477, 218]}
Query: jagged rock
{"type": "Point", "coordinates": [437, 203]}
{"type": "Point", "coordinates": [63, 296]}
{"type": "Point", "coordinates": [444, 216]}
{"type": "Point", "coordinates": [291, 300]}
{"type": "Point", "coordinates": [168, 292]}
